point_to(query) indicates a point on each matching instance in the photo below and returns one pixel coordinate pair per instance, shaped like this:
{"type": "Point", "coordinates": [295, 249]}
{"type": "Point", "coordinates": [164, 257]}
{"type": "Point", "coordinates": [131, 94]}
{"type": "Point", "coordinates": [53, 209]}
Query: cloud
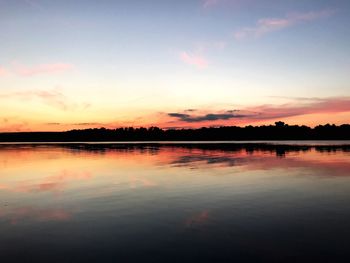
{"type": "Point", "coordinates": [197, 57]}
{"type": "Point", "coordinates": [53, 123]}
{"type": "Point", "coordinates": [194, 59]}
{"type": "Point", "coordinates": [52, 98]}
{"type": "Point", "coordinates": [298, 107]}
{"type": "Point", "coordinates": [87, 123]}
{"type": "Point", "coordinates": [302, 106]}
{"type": "Point", "coordinates": [207, 117]}
{"type": "Point", "coordinates": [15, 127]}
{"type": "Point", "coordinates": [34, 4]}
{"type": "Point", "coordinates": [52, 68]}
{"type": "Point", "coordinates": [3, 72]}
{"type": "Point", "coordinates": [27, 71]}
{"type": "Point", "coordinates": [210, 3]}
{"type": "Point", "coordinates": [268, 25]}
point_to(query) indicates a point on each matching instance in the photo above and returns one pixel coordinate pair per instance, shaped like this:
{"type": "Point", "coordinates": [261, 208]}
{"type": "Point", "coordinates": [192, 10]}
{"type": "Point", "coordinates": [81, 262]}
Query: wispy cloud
{"type": "Point", "coordinates": [302, 106]}
{"type": "Point", "coordinates": [40, 69]}
{"type": "Point", "coordinates": [210, 3]}
{"type": "Point", "coordinates": [52, 68]}
{"type": "Point", "coordinates": [194, 59]}
{"type": "Point", "coordinates": [3, 71]}
{"type": "Point", "coordinates": [268, 25]}
{"type": "Point", "coordinates": [34, 4]}
{"type": "Point", "coordinates": [52, 98]}
{"type": "Point", "coordinates": [14, 127]}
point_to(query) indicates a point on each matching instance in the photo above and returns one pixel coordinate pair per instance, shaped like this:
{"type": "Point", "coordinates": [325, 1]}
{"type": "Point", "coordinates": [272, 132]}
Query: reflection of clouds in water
{"type": "Point", "coordinates": [40, 187]}
{"type": "Point", "coordinates": [188, 160]}
{"type": "Point", "coordinates": [327, 162]}
{"type": "Point", "coordinates": [136, 182]}
{"type": "Point", "coordinates": [55, 183]}
{"type": "Point", "coordinates": [95, 158]}
{"type": "Point", "coordinates": [20, 214]}
{"type": "Point", "coordinates": [197, 219]}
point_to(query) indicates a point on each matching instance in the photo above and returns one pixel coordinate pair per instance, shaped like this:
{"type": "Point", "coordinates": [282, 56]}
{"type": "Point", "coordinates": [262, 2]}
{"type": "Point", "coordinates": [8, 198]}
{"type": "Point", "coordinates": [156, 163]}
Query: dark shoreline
{"type": "Point", "coordinates": [278, 132]}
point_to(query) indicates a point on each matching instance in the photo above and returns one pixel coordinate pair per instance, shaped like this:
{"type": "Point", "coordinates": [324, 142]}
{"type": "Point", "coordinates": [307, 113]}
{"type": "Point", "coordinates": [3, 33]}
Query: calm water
{"type": "Point", "coordinates": [174, 203]}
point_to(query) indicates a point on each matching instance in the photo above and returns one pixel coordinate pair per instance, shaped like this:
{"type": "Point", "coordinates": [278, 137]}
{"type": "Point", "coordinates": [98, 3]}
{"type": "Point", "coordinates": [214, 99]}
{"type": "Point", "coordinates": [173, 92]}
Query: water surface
{"type": "Point", "coordinates": [174, 203]}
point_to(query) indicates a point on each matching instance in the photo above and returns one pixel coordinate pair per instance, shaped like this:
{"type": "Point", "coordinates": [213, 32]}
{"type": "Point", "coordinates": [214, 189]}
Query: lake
{"type": "Point", "coordinates": [175, 202]}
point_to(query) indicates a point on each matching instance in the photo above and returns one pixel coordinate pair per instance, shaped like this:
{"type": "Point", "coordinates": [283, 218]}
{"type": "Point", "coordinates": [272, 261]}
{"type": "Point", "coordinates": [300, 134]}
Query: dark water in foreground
{"type": "Point", "coordinates": [174, 203]}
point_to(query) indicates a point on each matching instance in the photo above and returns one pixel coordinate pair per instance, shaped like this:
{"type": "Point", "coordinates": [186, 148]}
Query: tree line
{"type": "Point", "coordinates": [279, 131]}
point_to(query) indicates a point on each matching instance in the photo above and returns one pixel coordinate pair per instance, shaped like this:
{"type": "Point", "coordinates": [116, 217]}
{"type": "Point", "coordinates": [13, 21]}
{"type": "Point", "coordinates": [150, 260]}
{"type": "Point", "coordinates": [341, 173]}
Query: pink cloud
{"type": "Point", "coordinates": [313, 106]}
{"type": "Point", "coordinates": [251, 114]}
{"type": "Point", "coordinates": [53, 68]}
{"type": "Point", "coordinates": [3, 72]}
{"type": "Point", "coordinates": [268, 25]}
{"type": "Point", "coordinates": [194, 59]}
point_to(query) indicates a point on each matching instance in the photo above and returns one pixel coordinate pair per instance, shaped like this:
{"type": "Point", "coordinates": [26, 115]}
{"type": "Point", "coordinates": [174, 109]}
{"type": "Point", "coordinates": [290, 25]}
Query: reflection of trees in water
{"type": "Point", "coordinates": [198, 155]}
{"type": "Point", "coordinates": [279, 150]}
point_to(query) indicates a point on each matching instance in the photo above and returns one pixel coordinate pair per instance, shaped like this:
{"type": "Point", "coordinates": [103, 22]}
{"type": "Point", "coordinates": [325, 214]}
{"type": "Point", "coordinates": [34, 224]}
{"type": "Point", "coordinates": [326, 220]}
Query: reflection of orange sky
{"type": "Point", "coordinates": [197, 219]}
{"type": "Point", "coordinates": [16, 215]}
{"type": "Point", "coordinates": [55, 169]}
{"type": "Point", "coordinates": [44, 174]}
{"type": "Point", "coordinates": [53, 183]}
{"type": "Point", "coordinates": [80, 164]}
{"type": "Point", "coordinates": [163, 120]}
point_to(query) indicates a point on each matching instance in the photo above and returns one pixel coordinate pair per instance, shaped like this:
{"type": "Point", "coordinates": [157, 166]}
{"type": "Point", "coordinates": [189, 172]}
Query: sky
{"type": "Point", "coordinates": [173, 63]}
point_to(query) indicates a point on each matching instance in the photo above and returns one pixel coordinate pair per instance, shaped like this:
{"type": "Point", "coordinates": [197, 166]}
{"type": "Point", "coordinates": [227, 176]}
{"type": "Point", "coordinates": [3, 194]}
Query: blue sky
{"type": "Point", "coordinates": [117, 63]}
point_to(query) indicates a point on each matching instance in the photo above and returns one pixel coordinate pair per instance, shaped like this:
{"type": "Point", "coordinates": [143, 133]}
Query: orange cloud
{"type": "Point", "coordinates": [14, 127]}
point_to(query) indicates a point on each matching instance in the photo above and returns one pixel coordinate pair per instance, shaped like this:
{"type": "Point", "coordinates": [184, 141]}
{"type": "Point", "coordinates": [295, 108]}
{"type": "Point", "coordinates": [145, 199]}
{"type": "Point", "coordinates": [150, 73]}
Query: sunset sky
{"type": "Point", "coordinates": [173, 63]}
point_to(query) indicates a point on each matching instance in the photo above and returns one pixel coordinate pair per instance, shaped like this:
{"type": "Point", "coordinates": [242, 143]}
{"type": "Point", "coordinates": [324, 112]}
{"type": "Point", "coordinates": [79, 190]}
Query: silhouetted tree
{"type": "Point", "coordinates": [279, 131]}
